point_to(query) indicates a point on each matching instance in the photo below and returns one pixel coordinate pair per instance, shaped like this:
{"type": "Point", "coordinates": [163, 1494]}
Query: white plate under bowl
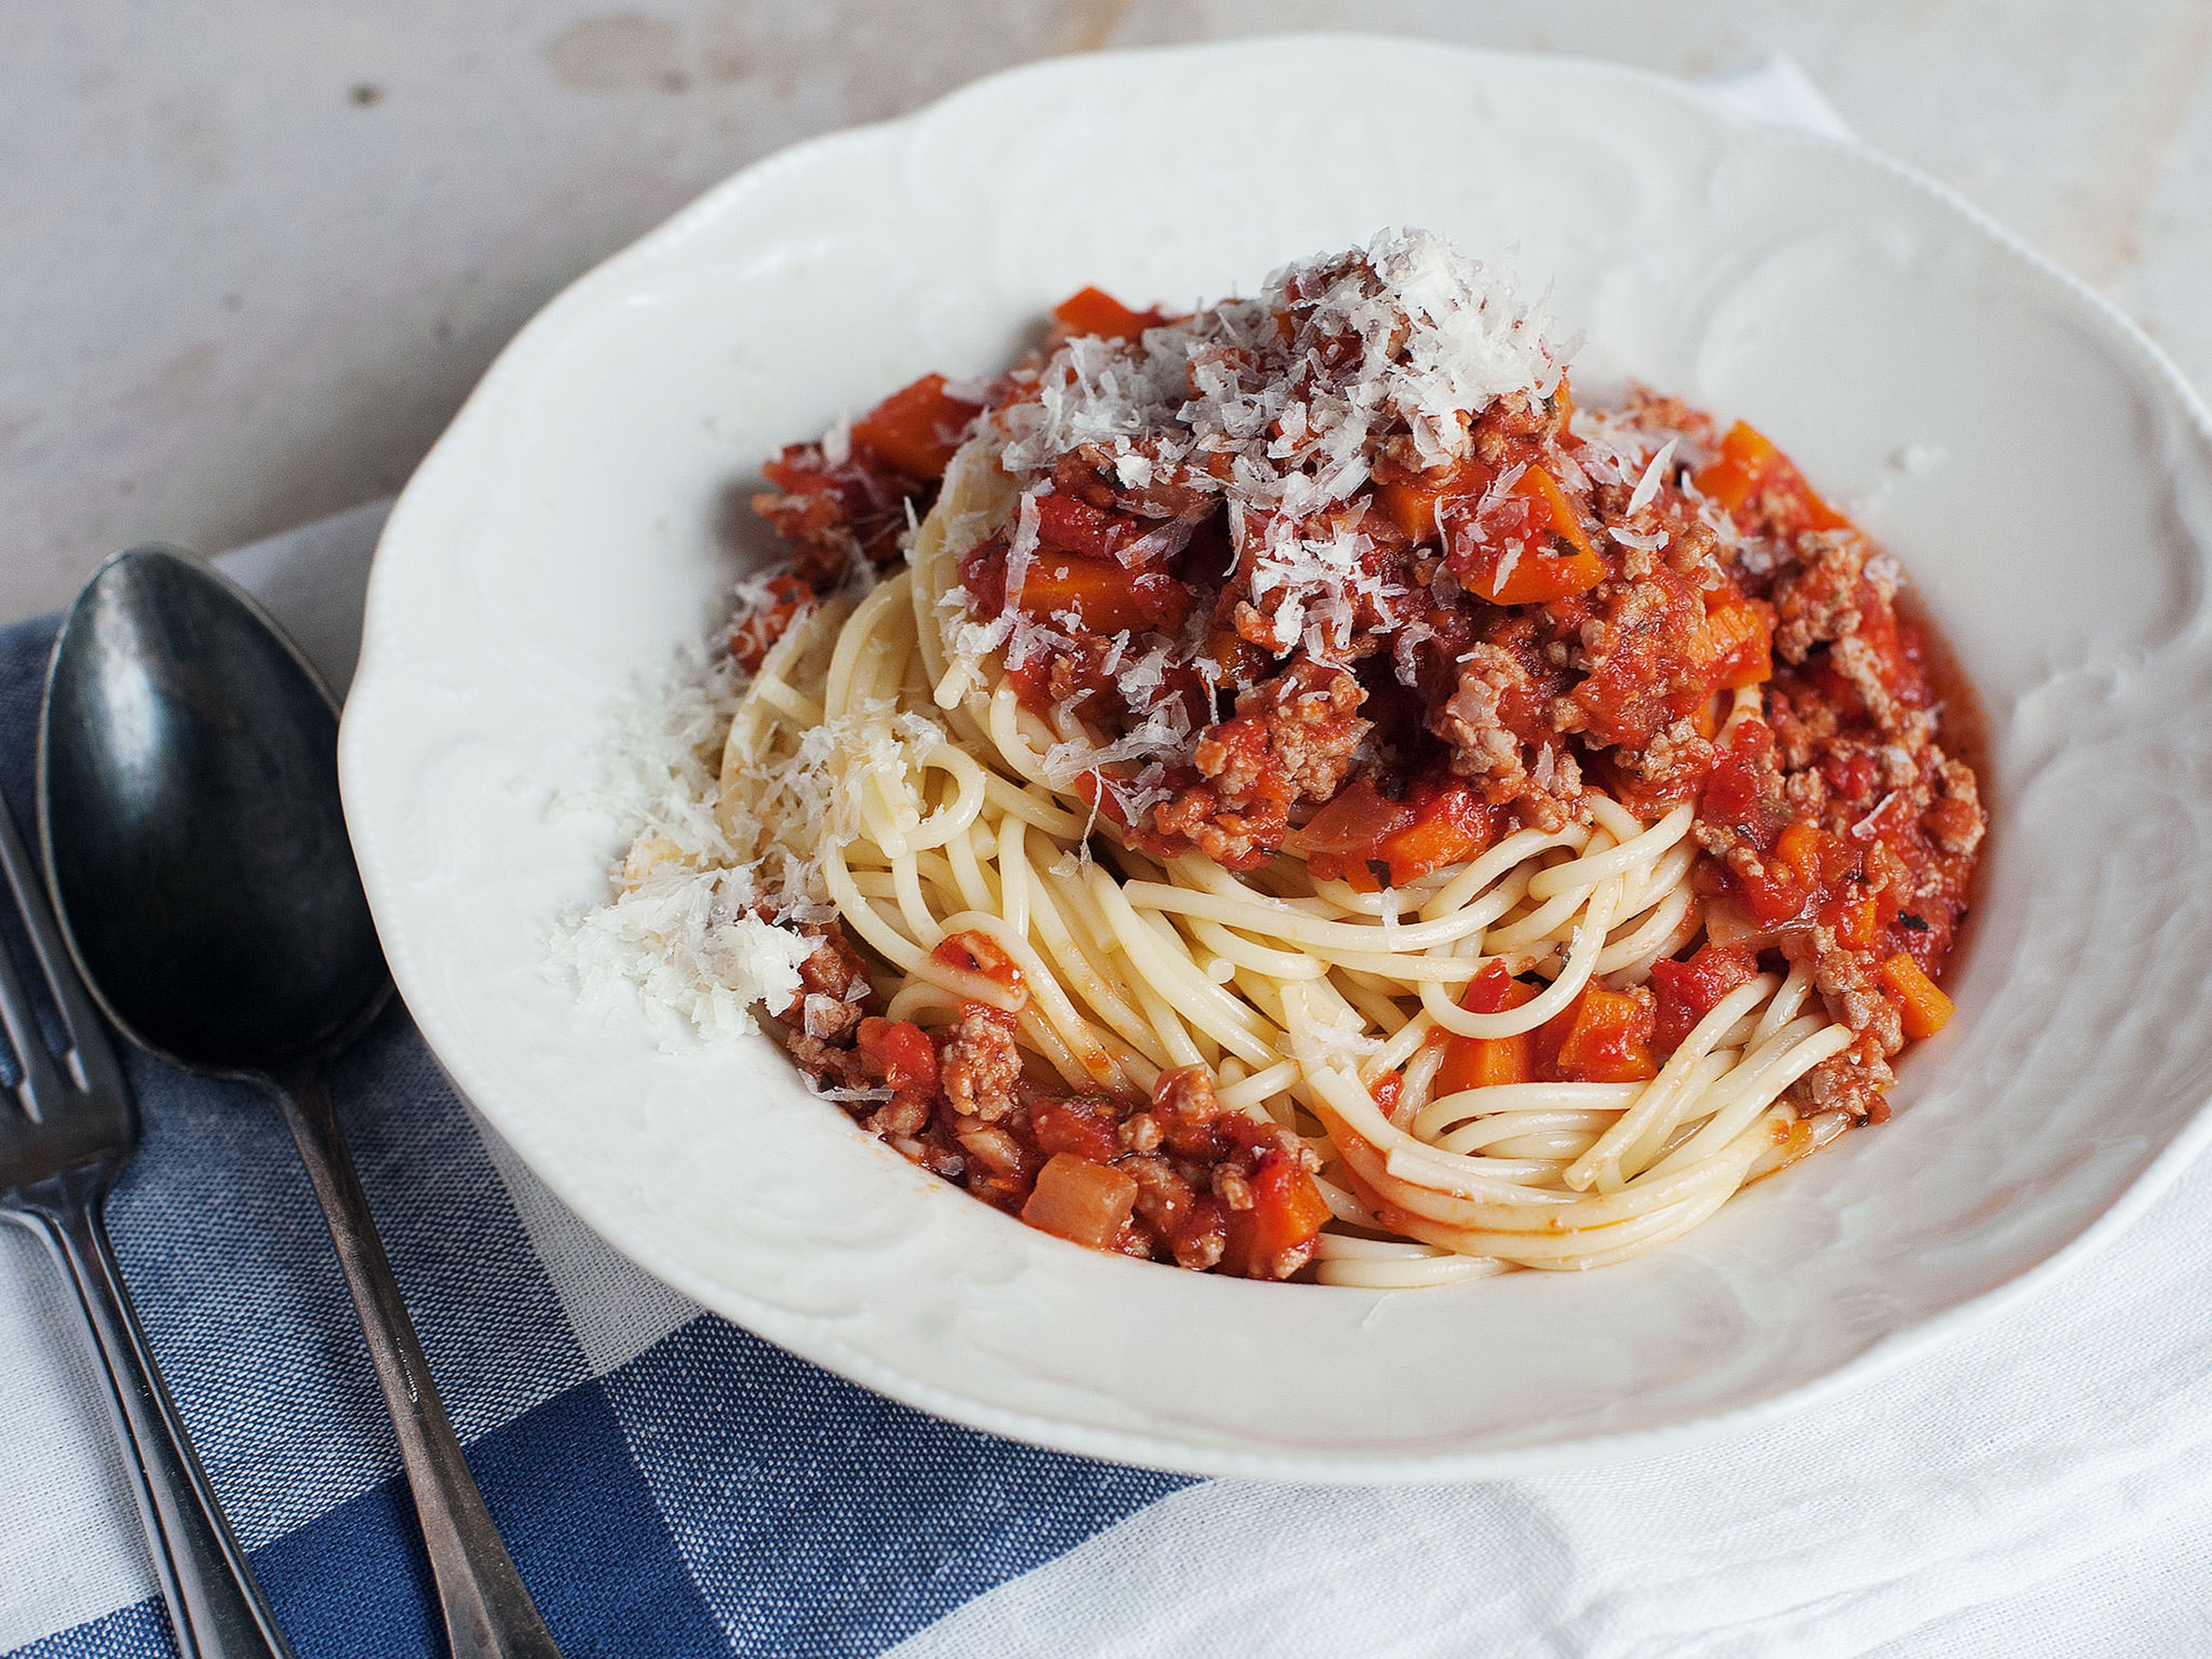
{"type": "Point", "coordinates": [2040, 470]}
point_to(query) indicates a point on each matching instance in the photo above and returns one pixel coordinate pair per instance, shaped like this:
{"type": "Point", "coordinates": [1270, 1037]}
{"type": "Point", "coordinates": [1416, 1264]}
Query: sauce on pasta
{"type": "Point", "coordinates": [1284, 791]}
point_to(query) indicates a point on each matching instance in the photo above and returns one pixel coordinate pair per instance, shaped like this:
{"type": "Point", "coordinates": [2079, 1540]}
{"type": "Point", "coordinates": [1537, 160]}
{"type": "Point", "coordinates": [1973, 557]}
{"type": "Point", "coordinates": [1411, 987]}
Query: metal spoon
{"type": "Point", "coordinates": [188, 801]}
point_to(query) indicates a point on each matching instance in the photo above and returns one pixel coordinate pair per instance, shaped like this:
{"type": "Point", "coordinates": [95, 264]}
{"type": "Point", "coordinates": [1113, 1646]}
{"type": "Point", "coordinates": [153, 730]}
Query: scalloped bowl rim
{"type": "Point", "coordinates": [383, 655]}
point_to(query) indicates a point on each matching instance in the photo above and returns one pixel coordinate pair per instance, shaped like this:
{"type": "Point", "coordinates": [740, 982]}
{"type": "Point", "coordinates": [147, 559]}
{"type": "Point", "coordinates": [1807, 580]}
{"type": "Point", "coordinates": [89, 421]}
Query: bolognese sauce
{"type": "Point", "coordinates": [1472, 626]}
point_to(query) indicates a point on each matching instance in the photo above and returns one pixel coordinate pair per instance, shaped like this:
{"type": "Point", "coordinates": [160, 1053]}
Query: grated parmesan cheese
{"type": "Point", "coordinates": [679, 929]}
{"type": "Point", "coordinates": [723, 864]}
{"type": "Point", "coordinates": [1274, 407]}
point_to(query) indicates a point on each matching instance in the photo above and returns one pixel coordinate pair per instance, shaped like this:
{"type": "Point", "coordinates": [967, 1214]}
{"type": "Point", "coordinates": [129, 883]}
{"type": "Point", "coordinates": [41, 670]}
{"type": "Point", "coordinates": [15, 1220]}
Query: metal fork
{"type": "Point", "coordinates": [59, 1157]}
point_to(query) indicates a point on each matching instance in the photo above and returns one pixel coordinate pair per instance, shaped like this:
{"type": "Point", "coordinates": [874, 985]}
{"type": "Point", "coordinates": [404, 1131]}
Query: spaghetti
{"type": "Point", "coordinates": [1303, 797]}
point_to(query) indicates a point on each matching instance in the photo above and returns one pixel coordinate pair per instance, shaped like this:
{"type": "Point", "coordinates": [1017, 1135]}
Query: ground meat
{"type": "Point", "coordinates": [1817, 600]}
{"type": "Point", "coordinates": [1515, 418]}
{"type": "Point", "coordinates": [1310, 716]}
{"type": "Point", "coordinates": [834, 990]}
{"type": "Point", "coordinates": [1646, 409]}
{"type": "Point", "coordinates": [1849, 982]}
{"type": "Point", "coordinates": [1473, 721]}
{"type": "Point", "coordinates": [1955, 820]}
{"type": "Point", "coordinates": [1853, 1081]}
{"type": "Point", "coordinates": [1093, 474]}
{"type": "Point", "coordinates": [1291, 741]}
{"type": "Point", "coordinates": [1541, 777]}
{"type": "Point", "coordinates": [837, 510]}
{"type": "Point", "coordinates": [980, 1066]}
{"type": "Point", "coordinates": [1185, 1106]}
{"type": "Point", "coordinates": [1674, 763]}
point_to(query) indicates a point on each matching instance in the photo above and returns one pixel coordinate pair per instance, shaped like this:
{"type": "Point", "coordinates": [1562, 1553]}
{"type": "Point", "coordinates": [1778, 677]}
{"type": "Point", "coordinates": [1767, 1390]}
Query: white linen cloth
{"type": "Point", "coordinates": [2040, 1485]}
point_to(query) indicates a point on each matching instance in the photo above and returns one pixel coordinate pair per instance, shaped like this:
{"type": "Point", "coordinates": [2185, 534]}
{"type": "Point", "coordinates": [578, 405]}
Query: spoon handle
{"type": "Point", "coordinates": [216, 1607]}
{"type": "Point", "coordinates": [489, 1613]}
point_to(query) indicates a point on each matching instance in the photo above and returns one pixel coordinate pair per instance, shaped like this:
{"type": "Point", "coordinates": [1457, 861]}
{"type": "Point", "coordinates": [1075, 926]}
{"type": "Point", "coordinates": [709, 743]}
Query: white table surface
{"type": "Point", "coordinates": [254, 252]}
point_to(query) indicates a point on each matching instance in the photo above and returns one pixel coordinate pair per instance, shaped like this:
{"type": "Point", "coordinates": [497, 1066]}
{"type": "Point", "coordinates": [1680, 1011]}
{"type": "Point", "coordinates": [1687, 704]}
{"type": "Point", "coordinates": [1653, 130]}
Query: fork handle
{"type": "Point", "coordinates": [488, 1612]}
{"type": "Point", "coordinates": [214, 1605]}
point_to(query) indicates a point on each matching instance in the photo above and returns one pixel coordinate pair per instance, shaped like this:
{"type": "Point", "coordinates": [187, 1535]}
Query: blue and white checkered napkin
{"type": "Point", "coordinates": [671, 1486]}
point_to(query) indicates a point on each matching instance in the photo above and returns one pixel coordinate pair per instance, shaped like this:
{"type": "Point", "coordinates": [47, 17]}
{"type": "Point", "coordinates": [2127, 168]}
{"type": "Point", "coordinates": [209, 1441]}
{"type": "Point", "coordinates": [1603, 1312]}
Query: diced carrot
{"type": "Point", "coordinates": [1450, 824]}
{"type": "Point", "coordinates": [915, 429]}
{"type": "Point", "coordinates": [1413, 504]}
{"type": "Point", "coordinates": [1081, 1201]}
{"type": "Point", "coordinates": [1358, 877]}
{"type": "Point", "coordinates": [1730, 479]}
{"type": "Point", "coordinates": [1094, 311]}
{"type": "Point", "coordinates": [1750, 474]}
{"type": "Point", "coordinates": [1608, 1040]}
{"type": "Point", "coordinates": [1275, 1237]}
{"type": "Point", "coordinates": [1104, 599]}
{"type": "Point", "coordinates": [1539, 485]}
{"type": "Point", "coordinates": [1513, 564]}
{"type": "Point", "coordinates": [1412, 508]}
{"type": "Point", "coordinates": [1349, 829]}
{"type": "Point", "coordinates": [1536, 578]}
{"type": "Point", "coordinates": [1856, 921]}
{"type": "Point", "coordinates": [1923, 1009]}
{"type": "Point", "coordinates": [1737, 641]}
{"type": "Point", "coordinates": [1483, 1062]}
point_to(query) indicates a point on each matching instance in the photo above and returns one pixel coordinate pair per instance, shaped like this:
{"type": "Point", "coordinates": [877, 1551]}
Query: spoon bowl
{"type": "Point", "coordinates": [188, 802]}
{"type": "Point", "coordinates": [190, 811]}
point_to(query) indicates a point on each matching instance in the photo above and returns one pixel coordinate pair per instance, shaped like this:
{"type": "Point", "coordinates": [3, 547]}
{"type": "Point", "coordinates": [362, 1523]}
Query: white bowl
{"type": "Point", "coordinates": [2039, 467]}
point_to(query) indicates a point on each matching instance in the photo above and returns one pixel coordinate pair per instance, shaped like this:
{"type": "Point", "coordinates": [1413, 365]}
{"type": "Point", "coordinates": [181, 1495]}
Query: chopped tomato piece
{"type": "Point", "coordinates": [915, 429]}
{"type": "Point", "coordinates": [1689, 991]}
{"type": "Point", "coordinates": [1073, 526]}
{"type": "Point", "coordinates": [897, 1051]}
{"type": "Point", "coordinates": [1805, 864]}
{"type": "Point", "coordinates": [983, 573]}
{"type": "Point", "coordinates": [1274, 1238]}
{"type": "Point", "coordinates": [1385, 1090]}
{"type": "Point", "coordinates": [971, 951]}
{"type": "Point", "coordinates": [1923, 1009]}
{"type": "Point", "coordinates": [1757, 484]}
{"type": "Point", "coordinates": [1081, 1201]}
{"type": "Point", "coordinates": [1094, 311]}
{"type": "Point", "coordinates": [1493, 991]}
{"type": "Point", "coordinates": [1736, 793]}
{"type": "Point", "coordinates": [1608, 1038]}
{"type": "Point", "coordinates": [1087, 1128]}
{"type": "Point", "coordinates": [790, 597]}
{"type": "Point", "coordinates": [1349, 830]}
